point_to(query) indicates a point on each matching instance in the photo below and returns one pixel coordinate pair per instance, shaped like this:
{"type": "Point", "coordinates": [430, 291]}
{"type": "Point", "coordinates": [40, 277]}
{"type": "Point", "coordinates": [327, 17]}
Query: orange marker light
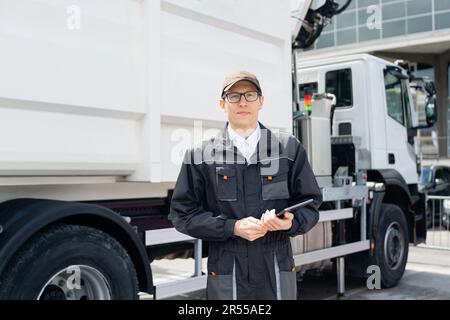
{"type": "Point", "coordinates": [269, 178]}
{"type": "Point", "coordinates": [225, 178]}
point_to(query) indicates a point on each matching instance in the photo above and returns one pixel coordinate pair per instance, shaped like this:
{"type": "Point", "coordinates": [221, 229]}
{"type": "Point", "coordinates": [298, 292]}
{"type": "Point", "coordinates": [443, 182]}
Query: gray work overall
{"type": "Point", "coordinates": [217, 186]}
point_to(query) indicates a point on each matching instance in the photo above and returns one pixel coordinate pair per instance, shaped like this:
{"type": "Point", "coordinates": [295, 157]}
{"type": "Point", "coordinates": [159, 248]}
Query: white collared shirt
{"type": "Point", "coordinates": [246, 146]}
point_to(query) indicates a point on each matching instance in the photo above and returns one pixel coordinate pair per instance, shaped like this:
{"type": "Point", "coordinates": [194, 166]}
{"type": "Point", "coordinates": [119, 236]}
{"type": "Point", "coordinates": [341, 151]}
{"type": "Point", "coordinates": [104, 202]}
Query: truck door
{"type": "Point", "coordinates": [401, 154]}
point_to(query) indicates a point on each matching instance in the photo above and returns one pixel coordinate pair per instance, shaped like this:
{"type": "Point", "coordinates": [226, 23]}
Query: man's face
{"type": "Point", "coordinates": [242, 114]}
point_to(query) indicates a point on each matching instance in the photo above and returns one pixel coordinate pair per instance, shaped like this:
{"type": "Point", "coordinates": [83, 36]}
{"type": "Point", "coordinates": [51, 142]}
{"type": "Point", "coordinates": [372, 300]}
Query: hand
{"type": "Point", "coordinates": [249, 228]}
{"type": "Point", "coordinates": [274, 223]}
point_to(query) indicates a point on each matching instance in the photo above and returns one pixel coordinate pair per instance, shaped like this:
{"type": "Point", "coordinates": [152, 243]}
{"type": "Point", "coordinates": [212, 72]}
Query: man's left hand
{"type": "Point", "coordinates": [274, 223]}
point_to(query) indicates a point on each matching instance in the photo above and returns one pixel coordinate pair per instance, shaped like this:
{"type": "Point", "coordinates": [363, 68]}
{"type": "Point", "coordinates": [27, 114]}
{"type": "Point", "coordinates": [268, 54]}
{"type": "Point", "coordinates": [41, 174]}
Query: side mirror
{"type": "Point", "coordinates": [423, 92]}
{"type": "Point", "coordinates": [431, 111]}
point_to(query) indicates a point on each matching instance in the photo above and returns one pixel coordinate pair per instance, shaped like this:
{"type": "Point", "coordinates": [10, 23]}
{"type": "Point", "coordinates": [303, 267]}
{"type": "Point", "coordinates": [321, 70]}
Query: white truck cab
{"type": "Point", "coordinates": [373, 105]}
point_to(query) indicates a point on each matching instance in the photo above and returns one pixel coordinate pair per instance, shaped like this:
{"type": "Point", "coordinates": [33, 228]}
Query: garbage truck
{"type": "Point", "coordinates": [99, 100]}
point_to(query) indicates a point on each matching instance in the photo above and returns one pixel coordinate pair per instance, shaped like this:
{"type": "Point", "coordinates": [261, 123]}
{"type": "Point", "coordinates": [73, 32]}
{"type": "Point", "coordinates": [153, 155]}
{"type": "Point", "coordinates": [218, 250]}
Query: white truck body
{"type": "Point", "coordinates": [99, 100]}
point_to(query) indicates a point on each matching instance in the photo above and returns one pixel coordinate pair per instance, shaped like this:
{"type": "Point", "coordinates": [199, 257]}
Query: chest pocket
{"type": "Point", "coordinates": [226, 184]}
{"type": "Point", "coordinates": [275, 185]}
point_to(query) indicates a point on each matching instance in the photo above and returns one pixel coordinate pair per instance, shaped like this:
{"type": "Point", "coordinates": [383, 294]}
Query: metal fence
{"type": "Point", "coordinates": [438, 222]}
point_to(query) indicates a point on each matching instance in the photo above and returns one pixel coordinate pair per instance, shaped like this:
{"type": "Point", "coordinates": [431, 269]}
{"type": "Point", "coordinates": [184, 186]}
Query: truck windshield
{"type": "Point", "coordinates": [397, 99]}
{"type": "Point", "coordinates": [394, 97]}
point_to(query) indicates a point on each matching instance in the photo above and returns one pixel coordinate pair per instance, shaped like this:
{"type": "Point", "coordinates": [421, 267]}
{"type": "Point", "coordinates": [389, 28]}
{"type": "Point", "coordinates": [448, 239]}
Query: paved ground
{"type": "Point", "coordinates": [427, 277]}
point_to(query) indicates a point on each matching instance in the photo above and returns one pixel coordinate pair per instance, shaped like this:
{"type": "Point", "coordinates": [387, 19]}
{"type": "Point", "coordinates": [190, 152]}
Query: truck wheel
{"type": "Point", "coordinates": [391, 247]}
{"type": "Point", "coordinates": [70, 262]}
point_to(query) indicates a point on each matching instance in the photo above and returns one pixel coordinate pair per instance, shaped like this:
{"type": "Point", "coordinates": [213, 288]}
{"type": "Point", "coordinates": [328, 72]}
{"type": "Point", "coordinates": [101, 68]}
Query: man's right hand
{"type": "Point", "coordinates": [249, 228]}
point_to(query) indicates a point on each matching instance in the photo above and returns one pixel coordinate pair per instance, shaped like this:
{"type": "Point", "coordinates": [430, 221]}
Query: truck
{"type": "Point", "coordinates": [98, 102]}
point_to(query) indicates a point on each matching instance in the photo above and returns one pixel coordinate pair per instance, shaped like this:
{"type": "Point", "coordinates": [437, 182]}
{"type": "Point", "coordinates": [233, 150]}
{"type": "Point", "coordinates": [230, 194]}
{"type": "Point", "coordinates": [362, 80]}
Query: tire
{"type": "Point", "coordinates": [70, 262]}
{"type": "Point", "coordinates": [391, 245]}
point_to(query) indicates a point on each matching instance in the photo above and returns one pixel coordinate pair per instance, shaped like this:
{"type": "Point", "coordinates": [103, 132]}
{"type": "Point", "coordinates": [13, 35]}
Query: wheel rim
{"type": "Point", "coordinates": [394, 246]}
{"type": "Point", "coordinates": [76, 282]}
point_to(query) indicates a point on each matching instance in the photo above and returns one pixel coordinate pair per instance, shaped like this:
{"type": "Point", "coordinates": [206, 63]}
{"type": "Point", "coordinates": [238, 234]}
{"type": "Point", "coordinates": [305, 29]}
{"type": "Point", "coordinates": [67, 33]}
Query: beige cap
{"type": "Point", "coordinates": [235, 77]}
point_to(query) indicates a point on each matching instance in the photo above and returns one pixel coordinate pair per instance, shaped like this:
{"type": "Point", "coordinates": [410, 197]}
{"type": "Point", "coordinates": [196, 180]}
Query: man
{"type": "Point", "coordinates": [228, 191]}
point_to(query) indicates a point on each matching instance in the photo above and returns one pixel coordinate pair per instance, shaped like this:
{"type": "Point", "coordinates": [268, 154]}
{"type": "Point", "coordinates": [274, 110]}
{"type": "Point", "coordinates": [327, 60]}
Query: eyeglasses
{"type": "Point", "coordinates": [235, 97]}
